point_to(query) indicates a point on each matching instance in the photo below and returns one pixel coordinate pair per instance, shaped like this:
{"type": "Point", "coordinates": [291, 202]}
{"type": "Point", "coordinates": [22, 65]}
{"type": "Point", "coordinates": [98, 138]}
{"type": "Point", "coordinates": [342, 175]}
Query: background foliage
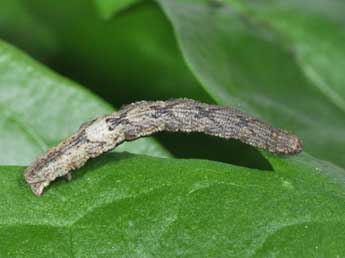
{"type": "Point", "coordinates": [279, 60]}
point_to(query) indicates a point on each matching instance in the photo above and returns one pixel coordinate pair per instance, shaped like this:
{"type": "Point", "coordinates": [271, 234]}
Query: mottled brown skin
{"type": "Point", "coordinates": [147, 117]}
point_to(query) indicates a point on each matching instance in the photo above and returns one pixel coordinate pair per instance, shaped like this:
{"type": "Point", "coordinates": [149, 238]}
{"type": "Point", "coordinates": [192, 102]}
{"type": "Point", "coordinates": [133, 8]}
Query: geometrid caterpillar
{"type": "Point", "coordinates": [147, 117]}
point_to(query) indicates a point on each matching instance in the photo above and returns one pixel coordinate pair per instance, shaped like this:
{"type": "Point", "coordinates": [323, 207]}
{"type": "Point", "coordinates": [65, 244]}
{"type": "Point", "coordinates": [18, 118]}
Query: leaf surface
{"type": "Point", "coordinates": [133, 206]}
{"type": "Point", "coordinates": [241, 60]}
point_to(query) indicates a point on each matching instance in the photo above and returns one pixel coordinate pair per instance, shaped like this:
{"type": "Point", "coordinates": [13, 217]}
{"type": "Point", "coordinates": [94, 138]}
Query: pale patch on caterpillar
{"type": "Point", "coordinates": [147, 117]}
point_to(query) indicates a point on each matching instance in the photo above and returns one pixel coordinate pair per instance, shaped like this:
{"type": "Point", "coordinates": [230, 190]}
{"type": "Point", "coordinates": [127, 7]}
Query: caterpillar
{"type": "Point", "coordinates": [145, 118]}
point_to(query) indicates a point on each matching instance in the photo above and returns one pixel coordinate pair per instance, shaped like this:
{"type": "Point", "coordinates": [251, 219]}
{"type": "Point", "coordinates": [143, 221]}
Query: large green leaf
{"type": "Point", "coordinates": [286, 78]}
{"type": "Point", "coordinates": [123, 205]}
{"type": "Point", "coordinates": [38, 108]}
{"type": "Point", "coordinates": [316, 34]}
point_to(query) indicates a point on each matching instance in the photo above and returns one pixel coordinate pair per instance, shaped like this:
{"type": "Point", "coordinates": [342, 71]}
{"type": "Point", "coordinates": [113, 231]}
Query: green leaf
{"type": "Point", "coordinates": [316, 34]}
{"type": "Point", "coordinates": [281, 74]}
{"type": "Point", "coordinates": [38, 109]}
{"type": "Point", "coordinates": [123, 205]}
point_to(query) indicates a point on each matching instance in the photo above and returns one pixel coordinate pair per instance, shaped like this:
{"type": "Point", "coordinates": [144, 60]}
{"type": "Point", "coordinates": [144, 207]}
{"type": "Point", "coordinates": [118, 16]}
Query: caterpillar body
{"type": "Point", "coordinates": [145, 118]}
